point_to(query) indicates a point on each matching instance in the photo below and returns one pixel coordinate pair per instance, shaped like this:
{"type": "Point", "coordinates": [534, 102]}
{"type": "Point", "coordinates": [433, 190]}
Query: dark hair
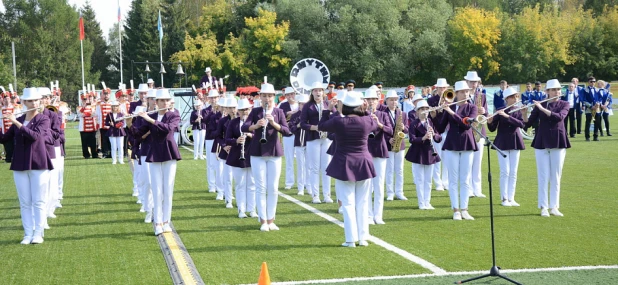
{"type": "Point", "coordinates": [347, 110]}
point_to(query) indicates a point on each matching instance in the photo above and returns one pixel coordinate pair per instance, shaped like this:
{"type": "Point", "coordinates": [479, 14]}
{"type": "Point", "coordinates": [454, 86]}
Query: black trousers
{"type": "Point", "coordinates": [597, 123]}
{"type": "Point", "coordinates": [106, 147]}
{"type": "Point", "coordinates": [605, 120]}
{"type": "Point", "coordinates": [8, 150]}
{"type": "Point", "coordinates": [569, 122]}
{"type": "Point", "coordinates": [89, 140]}
{"type": "Point", "coordinates": [578, 118]}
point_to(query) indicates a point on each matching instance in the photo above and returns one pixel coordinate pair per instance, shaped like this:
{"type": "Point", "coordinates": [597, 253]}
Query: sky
{"type": "Point", "coordinates": [106, 11]}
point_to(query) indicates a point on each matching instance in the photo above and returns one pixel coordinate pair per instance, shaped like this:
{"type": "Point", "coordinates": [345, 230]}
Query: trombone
{"type": "Point", "coordinates": [448, 95]}
{"type": "Point", "coordinates": [483, 120]}
{"type": "Point", "coordinates": [532, 104]}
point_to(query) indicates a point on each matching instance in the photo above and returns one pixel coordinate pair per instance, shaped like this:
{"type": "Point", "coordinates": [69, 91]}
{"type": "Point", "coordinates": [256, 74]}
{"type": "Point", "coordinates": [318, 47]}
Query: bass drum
{"type": "Point", "coordinates": [306, 72]}
{"type": "Point", "coordinates": [186, 133]}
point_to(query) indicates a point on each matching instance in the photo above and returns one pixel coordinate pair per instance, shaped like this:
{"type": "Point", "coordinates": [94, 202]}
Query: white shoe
{"type": "Point", "coordinates": [51, 215]}
{"type": "Point", "coordinates": [273, 227]}
{"type": "Point", "coordinates": [167, 228]}
{"type": "Point", "coordinates": [506, 203]}
{"type": "Point", "coordinates": [380, 222]}
{"type": "Point", "coordinates": [26, 240]}
{"type": "Point", "coordinates": [301, 193]}
{"type": "Point", "coordinates": [122, 162]}
{"type": "Point", "coordinates": [466, 215]}
{"type": "Point", "coordinates": [219, 197]}
{"type": "Point", "coordinates": [212, 190]}
{"type": "Point", "coordinates": [46, 226]}
{"type": "Point", "coordinates": [555, 212]}
{"type": "Point", "coordinates": [340, 211]}
{"type": "Point", "coordinates": [253, 215]}
{"type": "Point", "coordinates": [114, 162]}
{"type": "Point", "coordinates": [138, 201]}
{"type": "Point", "coordinates": [389, 198]}
{"type": "Point", "coordinates": [135, 194]}
{"type": "Point", "coordinates": [480, 195]}
{"type": "Point", "coordinates": [195, 158]}
{"type": "Point", "coordinates": [58, 205]}
{"type": "Point", "coordinates": [242, 215]}
{"type": "Point", "coordinates": [363, 243]}
{"type": "Point", "coordinates": [141, 209]}
{"type": "Point", "coordinates": [148, 218]}
{"type": "Point", "coordinates": [422, 208]}
{"type": "Point", "coordinates": [402, 198]}
{"type": "Point", "coordinates": [316, 200]}
{"type": "Point", "coordinates": [544, 212]}
{"type": "Point", "coordinates": [440, 188]}
{"type": "Point", "coordinates": [288, 187]}
{"type": "Point", "coordinates": [158, 230]}
{"type": "Point", "coordinates": [264, 228]}
{"type": "Point", "coordinates": [202, 157]}
{"type": "Point", "coordinates": [328, 200]}
{"type": "Point", "coordinates": [371, 221]}
{"type": "Point", "coordinates": [514, 204]}
{"type": "Point", "coordinates": [348, 244]}
{"type": "Point", "coordinates": [429, 207]}
{"type": "Point", "coordinates": [229, 205]}
{"type": "Point", "coordinates": [37, 240]}
{"type": "Point", "coordinates": [457, 216]}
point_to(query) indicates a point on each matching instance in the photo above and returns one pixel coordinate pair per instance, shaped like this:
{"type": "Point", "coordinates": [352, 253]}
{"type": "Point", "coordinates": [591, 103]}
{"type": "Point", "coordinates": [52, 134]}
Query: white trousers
{"type": "Point", "coordinates": [220, 164]}
{"type": "Point", "coordinates": [211, 165]}
{"type": "Point", "coordinates": [162, 175]}
{"type": "Point", "coordinates": [477, 160]}
{"type": "Point", "coordinates": [117, 144]}
{"type": "Point", "coordinates": [266, 172]}
{"type": "Point", "coordinates": [301, 167]}
{"type": "Point", "coordinates": [376, 207]}
{"type": "Point", "coordinates": [198, 143]}
{"type": "Point", "coordinates": [508, 173]}
{"type": "Point", "coordinates": [245, 189]}
{"type": "Point", "coordinates": [145, 191]}
{"type": "Point", "coordinates": [32, 191]}
{"type": "Point", "coordinates": [134, 171]}
{"type": "Point", "coordinates": [354, 197]}
{"type": "Point", "coordinates": [227, 178]}
{"type": "Point", "coordinates": [394, 173]}
{"type": "Point", "coordinates": [440, 172]}
{"type": "Point", "coordinates": [422, 177]}
{"type": "Point", "coordinates": [459, 164]}
{"type": "Point", "coordinates": [176, 137]}
{"type": "Point", "coordinates": [316, 165]}
{"type": "Point", "coordinates": [52, 187]}
{"type": "Point", "coordinates": [549, 163]}
{"type": "Point", "coordinates": [288, 153]}
{"type": "Point", "coordinates": [60, 175]}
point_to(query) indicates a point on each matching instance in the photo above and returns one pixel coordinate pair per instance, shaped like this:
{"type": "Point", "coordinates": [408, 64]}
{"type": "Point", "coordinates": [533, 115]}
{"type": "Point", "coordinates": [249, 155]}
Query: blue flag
{"type": "Point", "coordinates": [160, 27]}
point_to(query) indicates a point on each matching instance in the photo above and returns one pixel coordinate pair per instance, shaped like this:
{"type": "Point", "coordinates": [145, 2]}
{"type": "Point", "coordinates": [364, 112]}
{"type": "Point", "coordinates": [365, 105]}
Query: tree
{"type": "Point", "coordinates": [598, 6]}
{"type": "Point", "coordinates": [99, 58]}
{"type": "Point", "coordinates": [113, 53]}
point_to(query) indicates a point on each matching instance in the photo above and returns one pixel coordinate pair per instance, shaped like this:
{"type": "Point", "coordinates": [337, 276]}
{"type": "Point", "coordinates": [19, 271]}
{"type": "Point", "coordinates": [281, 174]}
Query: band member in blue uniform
{"type": "Point", "coordinates": [592, 102]}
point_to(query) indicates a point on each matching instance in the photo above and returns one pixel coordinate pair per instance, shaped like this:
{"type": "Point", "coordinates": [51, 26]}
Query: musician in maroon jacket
{"type": "Point", "coordinates": [265, 150]}
{"type": "Point", "coordinates": [379, 151]}
{"type": "Point", "coordinates": [550, 143]}
{"type": "Point", "coordinates": [510, 141]}
{"type": "Point", "coordinates": [208, 114]}
{"type": "Point", "coordinates": [479, 99]}
{"type": "Point", "coordinates": [240, 161]}
{"type": "Point", "coordinates": [53, 145]}
{"type": "Point", "coordinates": [299, 146]}
{"type": "Point", "coordinates": [162, 156]}
{"type": "Point", "coordinates": [458, 149]}
{"type": "Point", "coordinates": [214, 150]}
{"type": "Point", "coordinates": [394, 163]}
{"type": "Point", "coordinates": [116, 133]}
{"type": "Point", "coordinates": [225, 171]}
{"type": "Point", "coordinates": [352, 166]}
{"type": "Point", "coordinates": [289, 107]}
{"type": "Point", "coordinates": [31, 164]}
{"type": "Point", "coordinates": [440, 173]}
{"type": "Point", "coordinates": [198, 128]}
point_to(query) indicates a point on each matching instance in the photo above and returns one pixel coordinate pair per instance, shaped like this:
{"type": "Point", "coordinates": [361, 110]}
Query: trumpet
{"type": "Point", "coordinates": [530, 105]}
{"type": "Point", "coordinates": [263, 140]}
{"type": "Point", "coordinates": [440, 107]}
{"type": "Point", "coordinates": [483, 120]}
{"type": "Point", "coordinates": [149, 112]}
{"type": "Point", "coordinates": [23, 112]}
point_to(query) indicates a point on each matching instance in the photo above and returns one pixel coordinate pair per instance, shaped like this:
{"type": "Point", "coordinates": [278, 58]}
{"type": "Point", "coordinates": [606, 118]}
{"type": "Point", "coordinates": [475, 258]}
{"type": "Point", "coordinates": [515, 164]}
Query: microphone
{"type": "Point", "coordinates": [468, 120]}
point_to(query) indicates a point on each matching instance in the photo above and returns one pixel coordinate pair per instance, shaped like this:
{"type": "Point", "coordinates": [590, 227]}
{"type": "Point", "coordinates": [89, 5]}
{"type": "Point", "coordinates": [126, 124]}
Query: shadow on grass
{"type": "Point", "coordinates": [96, 212]}
{"type": "Point", "coordinates": [133, 222]}
{"type": "Point", "coordinates": [260, 248]}
{"type": "Point", "coordinates": [98, 196]}
{"type": "Point", "coordinates": [123, 236]}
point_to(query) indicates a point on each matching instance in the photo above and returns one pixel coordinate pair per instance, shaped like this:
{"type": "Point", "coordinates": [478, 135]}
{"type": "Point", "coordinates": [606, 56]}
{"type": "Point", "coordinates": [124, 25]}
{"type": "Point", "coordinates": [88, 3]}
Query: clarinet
{"type": "Point", "coordinates": [242, 145]}
{"type": "Point", "coordinates": [263, 140]}
{"type": "Point", "coordinates": [371, 135]}
{"type": "Point", "coordinates": [433, 147]}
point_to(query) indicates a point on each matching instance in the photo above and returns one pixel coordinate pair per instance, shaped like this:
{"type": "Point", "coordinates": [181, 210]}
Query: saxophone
{"type": "Point", "coordinates": [398, 133]}
{"type": "Point", "coordinates": [478, 100]}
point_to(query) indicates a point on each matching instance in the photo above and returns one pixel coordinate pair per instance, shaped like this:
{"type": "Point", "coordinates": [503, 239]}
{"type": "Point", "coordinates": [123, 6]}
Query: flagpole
{"type": "Point", "coordinates": [161, 45]}
{"type": "Point", "coordinates": [81, 42]}
{"type": "Point", "coordinates": [120, 40]}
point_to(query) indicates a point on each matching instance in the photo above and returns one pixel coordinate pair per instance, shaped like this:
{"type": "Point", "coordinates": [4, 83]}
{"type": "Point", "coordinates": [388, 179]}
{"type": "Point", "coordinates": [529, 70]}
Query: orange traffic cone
{"type": "Point", "coordinates": [264, 276]}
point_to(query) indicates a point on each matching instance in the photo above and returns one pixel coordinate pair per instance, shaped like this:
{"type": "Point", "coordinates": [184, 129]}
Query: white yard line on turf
{"type": "Point", "coordinates": [460, 273]}
{"type": "Point", "coordinates": [411, 257]}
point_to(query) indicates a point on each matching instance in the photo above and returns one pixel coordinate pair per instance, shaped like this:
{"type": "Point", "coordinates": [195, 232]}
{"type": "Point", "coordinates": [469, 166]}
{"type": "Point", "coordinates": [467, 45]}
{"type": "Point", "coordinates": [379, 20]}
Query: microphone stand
{"type": "Point", "coordinates": [495, 270]}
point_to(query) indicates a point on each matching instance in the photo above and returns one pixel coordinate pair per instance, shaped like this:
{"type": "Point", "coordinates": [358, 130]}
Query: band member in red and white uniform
{"type": "Point", "coordinates": [88, 127]}
{"type": "Point", "coordinates": [379, 151]}
{"type": "Point", "coordinates": [440, 172]}
{"type": "Point", "coordinates": [103, 108]}
{"type": "Point", "coordinates": [7, 109]}
{"type": "Point", "coordinates": [289, 107]}
{"type": "Point", "coordinates": [31, 164]}
{"type": "Point", "coordinates": [163, 157]}
{"type": "Point", "coordinates": [299, 145]}
{"type": "Point", "coordinates": [116, 133]}
{"type": "Point", "coordinates": [477, 93]}
{"type": "Point", "coordinates": [240, 161]}
{"type": "Point", "coordinates": [265, 150]}
{"type": "Point", "coordinates": [510, 141]}
{"type": "Point", "coordinates": [550, 143]}
{"type": "Point", "coordinates": [317, 145]}
{"type": "Point", "coordinates": [458, 149]}
{"type": "Point", "coordinates": [394, 162]}
{"type": "Point", "coordinates": [210, 113]}
{"type": "Point", "coordinates": [421, 154]}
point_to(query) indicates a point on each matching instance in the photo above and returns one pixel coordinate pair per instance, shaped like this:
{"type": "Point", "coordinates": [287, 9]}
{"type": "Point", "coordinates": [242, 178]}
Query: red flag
{"type": "Point", "coordinates": [82, 34]}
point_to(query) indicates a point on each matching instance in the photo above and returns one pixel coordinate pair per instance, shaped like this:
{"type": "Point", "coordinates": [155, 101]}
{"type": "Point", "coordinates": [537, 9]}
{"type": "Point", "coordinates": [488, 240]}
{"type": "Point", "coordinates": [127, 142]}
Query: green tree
{"type": "Point", "coordinates": [598, 6]}
{"type": "Point", "coordinates": [113, 53]}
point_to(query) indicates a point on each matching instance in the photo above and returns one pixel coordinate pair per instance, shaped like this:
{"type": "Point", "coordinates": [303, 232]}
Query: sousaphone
{"type": "Point", "coordinates": [307, 71]}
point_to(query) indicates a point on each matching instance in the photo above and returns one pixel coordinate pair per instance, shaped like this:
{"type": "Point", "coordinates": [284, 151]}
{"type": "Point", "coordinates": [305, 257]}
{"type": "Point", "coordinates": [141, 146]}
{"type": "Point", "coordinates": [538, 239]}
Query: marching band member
{"type": "Point", "coordinates": [7, 109]}
{"type": "Point", "coordinates": [150, 83]}
{"type": "Point", "coordinates": [143, 145]}
{"type": "Point", "coordinates": [114, 120]}
{"type": "Point", "coordinates": [499, 95]}
{"type": "Point", "coordinates": [352, 166]}
{"type": "Point", "coordinates": [198, 127]}
{"type": "Point", "coordinates": [142, 91]}
{"type": "Point", "coordinates": [479, 99]}
{"type": "Point", "coordinates": [299, 145]}
{"type": "Point", "coordinates": [31, 165]}
{"type": "Point", "coordinates": [440, 172]}
{"type": "Point", "coordinates": [208, 78]}
{"type": "Point", "coordinates": [510, 141]}
{"type": "Point", "coordinates": [317, 145]}
{"type": "Point", "coordinates": [330, 90]}
{"type": "Point", "coordinates": [290, 107]}
{"type": "Point", "coordinates": [574, 107]}
{"type": "Point", "coordinates": [412, 113]}
{"type": "Point", "coordinates": [340, 86]}
{"type": "Point", "coordinates": [458, 149]}
{"type": "Point", "coordinates": [529, 93]}
{"type": "Point", "coordinates": [103, 108]}
{"type": "Point", "coordinates": [420, 153]}
{"type": "Point", "coordinates": [215, 150]}
{"type": "Point", "coordinates": [406, 104]}
{"type": "Point", "coordinates": [592, 101]}
{"type": "Point", "coordinates": [605, 106]}
{"type": "Point", "coordinates": [350, 84]}
{"type": "Point", "coordinates": [209, 114]}
{"type": "Point", "coordinates": [578, 92]}
{"type": "Point", "coordinates": [379, 152]}
{"type": "Point", "coordinates": [124, 106]}
{"type": "Point", "coordinates": [394, 162]}
{"type": "Point", "coordinates": [240, 161]}
{"type": "Point", "coordinates": [163, 156]}
{"type": "Point", "coordinates": [177, 130]}
{"type": "Point", "coordinates": [550, 143]}
{"type": "Point", "coordinates": [54, 149]}
{"type": "Point", "coordinates": [134, 140]}
{"type": "Point", "coordinates": [229, 112]}
{"type": "Point", "coordinates": [63, 112]}
{"type": "Point", "coordinates": [88, 127]}
{"type": "Point", "coordinates": [266, 122]}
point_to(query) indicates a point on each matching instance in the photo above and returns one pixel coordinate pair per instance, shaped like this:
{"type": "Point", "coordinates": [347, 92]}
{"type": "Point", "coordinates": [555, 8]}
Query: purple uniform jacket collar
{"type": "Point", "coordinates": [30, 152]}
{"type": "Point", "coordinates": [420, 150]}
{"type": "Point", "coordinates": [273, 145]}
{"type": "Point", "coordinates": [163, 147]}
{"type": "Point", "coordinates": [459, 136]}
{"type": "Point", "coordinates": [233, 158]}
{"type": "Point", "coordinates": [508, 137]}
{"type": "Point", "coordinates": [551, 132]}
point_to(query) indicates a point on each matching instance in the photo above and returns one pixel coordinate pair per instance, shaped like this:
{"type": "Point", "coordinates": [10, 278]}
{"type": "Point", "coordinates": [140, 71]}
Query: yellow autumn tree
{"type": "Point", "coordinates": [472, 36]}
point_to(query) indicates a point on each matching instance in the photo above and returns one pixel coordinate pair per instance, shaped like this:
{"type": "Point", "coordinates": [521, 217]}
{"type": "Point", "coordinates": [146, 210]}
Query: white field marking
{"type": "Point", "coordinates": [411, 257]}
{"type": "Point", "coordinates": [187, 148]}
{"type": "Point", "coordinates": [459, 273]}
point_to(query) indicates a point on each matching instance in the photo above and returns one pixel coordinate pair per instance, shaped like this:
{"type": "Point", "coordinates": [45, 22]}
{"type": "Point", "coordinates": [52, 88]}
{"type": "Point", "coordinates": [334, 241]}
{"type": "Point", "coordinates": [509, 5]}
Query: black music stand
{"type": "Point", "coordinates": [495, 270]}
